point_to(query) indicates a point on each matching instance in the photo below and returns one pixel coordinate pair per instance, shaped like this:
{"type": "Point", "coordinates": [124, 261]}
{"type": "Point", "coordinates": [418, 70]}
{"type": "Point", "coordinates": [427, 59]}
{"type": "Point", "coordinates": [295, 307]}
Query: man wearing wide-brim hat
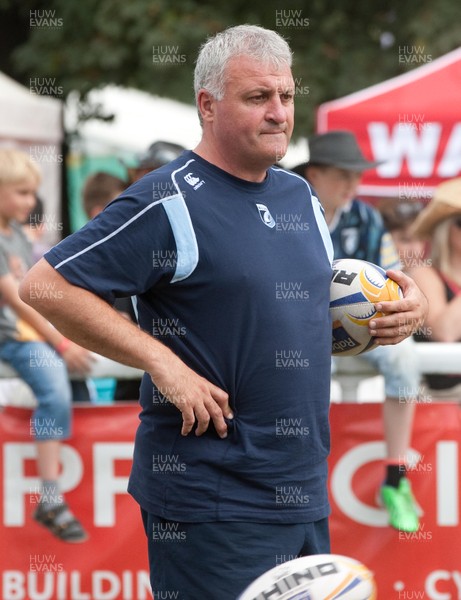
{"type": "Point", "coordinates": [338, 148]}
{"type": "Point", "coordinates": [334, 169]}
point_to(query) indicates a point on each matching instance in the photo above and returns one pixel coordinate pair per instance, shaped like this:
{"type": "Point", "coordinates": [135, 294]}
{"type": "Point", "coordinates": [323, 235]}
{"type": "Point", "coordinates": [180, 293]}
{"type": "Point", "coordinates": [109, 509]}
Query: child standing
{"type": "Point", "coordinates": [33, 347]}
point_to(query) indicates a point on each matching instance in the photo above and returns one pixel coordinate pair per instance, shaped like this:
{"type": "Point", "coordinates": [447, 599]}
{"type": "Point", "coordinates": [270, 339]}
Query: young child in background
{"type": "Point", "coordinates": [35, 229]}
{"type": "Point", "coordinates": [99, 189]}
{"type": "Point", "coordinates": [33, 347]}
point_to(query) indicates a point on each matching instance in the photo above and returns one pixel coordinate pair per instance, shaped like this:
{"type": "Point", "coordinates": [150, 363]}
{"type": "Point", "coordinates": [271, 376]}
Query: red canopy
{"type": "Point", "coordinates": [411, 122]}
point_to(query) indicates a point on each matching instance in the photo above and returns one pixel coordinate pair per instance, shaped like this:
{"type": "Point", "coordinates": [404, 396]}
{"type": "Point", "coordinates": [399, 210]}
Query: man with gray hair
{"type": "Point", "coordinates": [230, 460]}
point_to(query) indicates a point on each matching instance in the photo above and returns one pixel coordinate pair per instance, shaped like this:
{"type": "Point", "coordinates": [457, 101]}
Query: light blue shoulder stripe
{"type": "Point", "coordinates": [323, 227]}
{"type": "Point", "coordinates": [181, 225]}
{"type": "Point", "coordinates": [318, 213]}
{"type": "Point", "coordinates": [184, 235]}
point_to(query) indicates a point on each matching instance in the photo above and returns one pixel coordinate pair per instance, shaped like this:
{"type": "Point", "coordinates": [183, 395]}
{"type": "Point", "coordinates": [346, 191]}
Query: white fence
{"type": "Point", "coordinates": [432, 357]}
{"type": "Point", "coordinates": [13, 391]}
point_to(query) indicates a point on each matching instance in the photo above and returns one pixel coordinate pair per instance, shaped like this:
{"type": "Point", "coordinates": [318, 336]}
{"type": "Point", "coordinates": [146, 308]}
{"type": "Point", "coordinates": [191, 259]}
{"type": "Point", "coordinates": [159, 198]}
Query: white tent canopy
{"type": "Point", "coordinates": [141, 119]}
{"type": "Point", "coordinates": [27, 116]}
{"type": "Point", "coordinates": [33, 123]}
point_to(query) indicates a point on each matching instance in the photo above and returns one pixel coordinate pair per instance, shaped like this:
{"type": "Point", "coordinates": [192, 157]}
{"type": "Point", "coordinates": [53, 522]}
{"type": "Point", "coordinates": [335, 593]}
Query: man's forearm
{"type": "Point", "coordinates": [89, 321]}
{"type": "Point", "coordinates": [92, 323]}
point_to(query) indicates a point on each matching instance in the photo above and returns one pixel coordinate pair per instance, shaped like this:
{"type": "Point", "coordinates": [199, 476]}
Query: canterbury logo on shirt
{"type": "Point", "coordinates": [193, 181]}
{"type": "Point", "coordinates": [265, 215]}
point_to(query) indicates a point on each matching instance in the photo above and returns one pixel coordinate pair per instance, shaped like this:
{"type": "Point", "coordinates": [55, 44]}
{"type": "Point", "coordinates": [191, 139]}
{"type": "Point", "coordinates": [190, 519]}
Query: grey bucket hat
{"type": "Point", "coordinates": [336, 149]}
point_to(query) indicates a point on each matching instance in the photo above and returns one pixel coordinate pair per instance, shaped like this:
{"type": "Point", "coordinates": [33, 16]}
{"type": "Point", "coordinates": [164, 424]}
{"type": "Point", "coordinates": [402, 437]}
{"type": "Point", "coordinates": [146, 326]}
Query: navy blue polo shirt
{"type": "Point", "coordinates": [234, 277]}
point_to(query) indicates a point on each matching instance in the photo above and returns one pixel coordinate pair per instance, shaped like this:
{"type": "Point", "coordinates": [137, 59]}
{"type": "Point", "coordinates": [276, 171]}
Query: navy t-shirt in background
{"type": "Point", "coordinates": [234, 277]}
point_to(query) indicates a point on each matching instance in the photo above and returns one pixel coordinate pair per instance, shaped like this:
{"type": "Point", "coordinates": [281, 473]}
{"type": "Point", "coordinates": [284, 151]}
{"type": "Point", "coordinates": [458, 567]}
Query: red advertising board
{"type": "Point", "coordinates": [112, 564]}
{"type": "Point", "coordinates": [425, 564]}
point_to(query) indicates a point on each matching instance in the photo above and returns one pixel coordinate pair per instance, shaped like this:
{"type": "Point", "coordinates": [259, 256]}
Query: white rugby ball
{"type": "Point", "coordinates": [356, 286]}
{"type": "Point", "coordinates": [318, 577]}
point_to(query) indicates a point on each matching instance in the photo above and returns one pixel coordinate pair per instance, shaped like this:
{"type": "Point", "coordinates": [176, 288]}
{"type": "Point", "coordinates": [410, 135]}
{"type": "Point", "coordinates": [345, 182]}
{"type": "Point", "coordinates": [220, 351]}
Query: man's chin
{"type": "Point", "coordinates": [276, 145]}
{"type": "Point", "coordinates": [278, 153]}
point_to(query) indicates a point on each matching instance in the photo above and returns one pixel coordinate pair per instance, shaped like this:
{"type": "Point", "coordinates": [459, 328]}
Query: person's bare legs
{"type": "Point", "coordinates": [398, 423]}
{"type": "Point", "coordinates": [52, 510]}
{"type": "Point", "coordinates": [48, 453]}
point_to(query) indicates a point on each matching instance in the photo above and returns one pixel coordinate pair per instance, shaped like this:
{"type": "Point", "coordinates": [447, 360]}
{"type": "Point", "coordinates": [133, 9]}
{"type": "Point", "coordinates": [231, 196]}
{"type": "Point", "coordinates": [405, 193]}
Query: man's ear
{"type": "Point", "coordinates": [206, 105]}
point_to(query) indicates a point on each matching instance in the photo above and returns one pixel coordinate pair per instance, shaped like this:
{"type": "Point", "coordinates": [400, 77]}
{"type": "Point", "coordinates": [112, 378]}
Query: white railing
{"type": "Point", "coordinates": [101, 367]}
{"type": "Point", "coordinates": [13, 391]}
{"type": "Point", "coordinates": [434, 357]}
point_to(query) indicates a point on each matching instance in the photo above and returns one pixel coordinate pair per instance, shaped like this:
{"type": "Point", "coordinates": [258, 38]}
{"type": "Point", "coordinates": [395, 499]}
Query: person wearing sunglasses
{"type": "Point", "coordinates": [440, 279]}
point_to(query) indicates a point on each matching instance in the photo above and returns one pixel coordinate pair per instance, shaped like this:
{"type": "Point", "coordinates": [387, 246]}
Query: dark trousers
{"type": "Point", "coordinates": [207, 561]}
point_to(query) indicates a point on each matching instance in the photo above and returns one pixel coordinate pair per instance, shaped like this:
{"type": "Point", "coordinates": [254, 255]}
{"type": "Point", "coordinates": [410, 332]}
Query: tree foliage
{"type": "Point", "coordinates": [339, 48]}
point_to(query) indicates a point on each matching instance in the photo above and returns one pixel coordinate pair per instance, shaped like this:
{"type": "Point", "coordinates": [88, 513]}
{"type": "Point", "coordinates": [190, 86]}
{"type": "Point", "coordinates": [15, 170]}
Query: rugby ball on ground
{"type": "Point", "coordinates": [318, 577]}
{"type": "Point", "coordinates": [356, 286]}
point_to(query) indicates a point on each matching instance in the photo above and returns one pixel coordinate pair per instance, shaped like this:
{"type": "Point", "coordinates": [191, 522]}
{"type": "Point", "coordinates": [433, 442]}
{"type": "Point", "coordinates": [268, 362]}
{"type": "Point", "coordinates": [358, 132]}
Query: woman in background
{"type": "Point", "coordinates": [440, 279]}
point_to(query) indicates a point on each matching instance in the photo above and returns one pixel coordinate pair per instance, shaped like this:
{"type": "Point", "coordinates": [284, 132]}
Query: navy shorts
{"type": "Point", "coordinates": [207, 561]}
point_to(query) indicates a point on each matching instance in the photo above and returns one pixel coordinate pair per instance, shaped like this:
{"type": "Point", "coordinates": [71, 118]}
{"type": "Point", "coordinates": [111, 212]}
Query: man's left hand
{"type": "Point", "coordinates": [401, 317]}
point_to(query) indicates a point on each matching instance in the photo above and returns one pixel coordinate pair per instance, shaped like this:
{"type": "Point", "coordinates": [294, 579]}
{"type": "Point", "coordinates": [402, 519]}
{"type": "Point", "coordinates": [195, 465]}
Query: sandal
{"type": "Point", "coordinates": [69, 531]}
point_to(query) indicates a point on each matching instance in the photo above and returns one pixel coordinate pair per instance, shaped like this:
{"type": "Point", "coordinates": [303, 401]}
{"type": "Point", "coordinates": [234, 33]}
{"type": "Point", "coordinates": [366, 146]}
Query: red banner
{"type": "Point", "coordinates": [425, 564]}
{"type": "Point", "coordinates": [112, 564]}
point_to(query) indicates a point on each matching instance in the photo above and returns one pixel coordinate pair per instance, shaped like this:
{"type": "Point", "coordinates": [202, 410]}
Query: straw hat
{"type": "Point", "coordinates": [445, 203]}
